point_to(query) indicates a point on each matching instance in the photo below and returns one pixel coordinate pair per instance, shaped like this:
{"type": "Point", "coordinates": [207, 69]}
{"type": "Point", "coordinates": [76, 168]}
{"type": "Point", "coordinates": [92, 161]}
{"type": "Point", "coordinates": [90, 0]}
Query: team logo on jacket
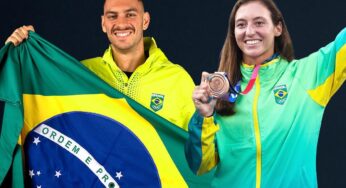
{"type": "Point", "coordinates": [156, 101]}
{"type": "Point", "coordinates": [280, 93]}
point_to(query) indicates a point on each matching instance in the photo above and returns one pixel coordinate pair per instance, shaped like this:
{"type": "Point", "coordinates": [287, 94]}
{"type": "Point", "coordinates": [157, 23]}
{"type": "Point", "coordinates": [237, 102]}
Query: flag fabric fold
{"type": "Point", "coordinates": [74, 130]}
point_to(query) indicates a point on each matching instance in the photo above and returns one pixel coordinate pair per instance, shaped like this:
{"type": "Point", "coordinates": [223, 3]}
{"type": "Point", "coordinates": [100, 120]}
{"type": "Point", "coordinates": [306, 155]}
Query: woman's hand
{"type": "Point", "coordinates": [204, 103]}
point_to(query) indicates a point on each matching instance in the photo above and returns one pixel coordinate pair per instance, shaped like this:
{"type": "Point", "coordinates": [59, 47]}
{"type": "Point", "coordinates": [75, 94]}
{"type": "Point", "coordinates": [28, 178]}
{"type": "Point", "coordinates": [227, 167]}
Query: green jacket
{"type": "Point", "coordinates": [271, 140]}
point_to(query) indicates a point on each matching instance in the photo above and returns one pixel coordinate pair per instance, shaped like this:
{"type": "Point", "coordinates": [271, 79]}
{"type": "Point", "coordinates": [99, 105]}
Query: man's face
{"type": "Point", "coordinates": [124, 22]}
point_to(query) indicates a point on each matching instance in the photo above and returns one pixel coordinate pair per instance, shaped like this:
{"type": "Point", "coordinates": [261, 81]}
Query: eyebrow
{"type": "Point", "coordinates": [126, 11]}
{"type": "Point", "coordinates": [132, 10]}
{"type": "Point", "coordinates": [256, 18]}
{"type": "Point", "coordinates": [260, 17]}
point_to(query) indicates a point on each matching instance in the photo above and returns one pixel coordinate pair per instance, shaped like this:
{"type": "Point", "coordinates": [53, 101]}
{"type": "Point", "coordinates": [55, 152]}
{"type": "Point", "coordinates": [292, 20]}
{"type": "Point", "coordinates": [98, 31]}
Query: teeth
{"type": "Point", "coordinates": [252, 41]}
{"type": "Point", "coordinates": [122, 34]}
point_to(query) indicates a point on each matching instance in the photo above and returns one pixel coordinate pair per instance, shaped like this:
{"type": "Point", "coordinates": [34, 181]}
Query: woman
{"type": "Point", "coordinates": [268, 137]}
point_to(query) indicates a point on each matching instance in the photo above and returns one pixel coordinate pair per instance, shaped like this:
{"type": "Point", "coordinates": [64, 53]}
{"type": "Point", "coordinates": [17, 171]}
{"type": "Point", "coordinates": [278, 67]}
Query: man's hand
{"type": "Point", "coordinates": [20, 34]}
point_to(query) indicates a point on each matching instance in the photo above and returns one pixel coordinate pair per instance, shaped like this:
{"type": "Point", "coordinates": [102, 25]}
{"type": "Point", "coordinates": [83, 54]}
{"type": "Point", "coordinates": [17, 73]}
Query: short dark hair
{"type": "Point", "coordinates": [104, 1]}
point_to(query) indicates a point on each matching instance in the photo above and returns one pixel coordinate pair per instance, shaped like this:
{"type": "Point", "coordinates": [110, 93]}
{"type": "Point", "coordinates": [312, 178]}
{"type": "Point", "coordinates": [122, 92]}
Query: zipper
{"type": "Point", "coordinates": [257, 135]}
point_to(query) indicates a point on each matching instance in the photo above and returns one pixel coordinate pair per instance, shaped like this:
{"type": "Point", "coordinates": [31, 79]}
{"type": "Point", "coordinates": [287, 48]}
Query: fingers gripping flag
{"type": "Point", "coordinates": [77, 131]}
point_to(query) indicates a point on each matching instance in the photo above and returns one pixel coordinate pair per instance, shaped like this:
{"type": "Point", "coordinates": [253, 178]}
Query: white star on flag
{"type": "Point", "coordinates": [57, 174]}
{"type": "Point", "coordinates": [119, 175]}
{"type": "Point", "coordinates": [31, 173]}
{"type": "Point", "coordinates": [36, 140]}
{"type": "Point", "coordinates": [38, 186]}
{"type": "Point", "coordinates": [38, 173]}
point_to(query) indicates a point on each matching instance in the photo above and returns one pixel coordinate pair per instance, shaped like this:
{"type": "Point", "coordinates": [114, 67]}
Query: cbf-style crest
{"type": "Point", "coordinates": [156, 102]}
{"type": "Point", "coordinates": [280, 93]}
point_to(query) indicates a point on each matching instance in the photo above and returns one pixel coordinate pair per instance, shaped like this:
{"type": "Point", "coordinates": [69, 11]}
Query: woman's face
{"type": "Point", "coordinates": [255, 32]}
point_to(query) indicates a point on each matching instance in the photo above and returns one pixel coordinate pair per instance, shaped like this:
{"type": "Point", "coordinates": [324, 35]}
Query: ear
{"type": "Point", "coordinates": [146, 20]}
{"type": "Point", "coordinates": [278, 29]}
{"type": "Point", "coordinates": [103, 24]}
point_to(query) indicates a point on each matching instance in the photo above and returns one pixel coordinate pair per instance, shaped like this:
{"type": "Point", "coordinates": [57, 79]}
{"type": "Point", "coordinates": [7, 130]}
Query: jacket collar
{"type": "Point", "coordinates": [150, 49]}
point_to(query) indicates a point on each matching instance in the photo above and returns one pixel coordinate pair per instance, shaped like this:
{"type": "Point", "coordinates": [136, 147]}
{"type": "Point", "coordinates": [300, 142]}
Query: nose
{"type": "Point", "coordinates": [121, 21]}
{"type": "Point", "coordinates": [250, 30]}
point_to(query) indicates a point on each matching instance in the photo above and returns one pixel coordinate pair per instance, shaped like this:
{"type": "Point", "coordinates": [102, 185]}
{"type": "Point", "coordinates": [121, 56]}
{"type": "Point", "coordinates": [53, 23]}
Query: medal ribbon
{"type": "Point", "coordinates": [252, 81]}
{"type": "Point", "coordinates": [253, 77]}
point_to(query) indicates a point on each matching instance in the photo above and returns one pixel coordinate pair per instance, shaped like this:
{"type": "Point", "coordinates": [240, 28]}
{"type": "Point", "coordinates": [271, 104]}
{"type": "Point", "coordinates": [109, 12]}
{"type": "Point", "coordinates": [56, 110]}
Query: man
{"type": "Point", "coordinates": [134, 65]}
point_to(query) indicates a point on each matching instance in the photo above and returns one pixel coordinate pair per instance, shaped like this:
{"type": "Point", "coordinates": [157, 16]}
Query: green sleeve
{"type": "Point", "coordinates": [200, 149]}
{"type": "Point", "coordinates": [323, 72]}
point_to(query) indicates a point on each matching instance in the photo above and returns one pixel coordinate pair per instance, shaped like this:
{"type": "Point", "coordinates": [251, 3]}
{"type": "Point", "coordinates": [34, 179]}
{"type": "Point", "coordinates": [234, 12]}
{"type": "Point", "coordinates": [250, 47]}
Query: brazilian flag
{"type": "Point", "coordinates": [62, 126]}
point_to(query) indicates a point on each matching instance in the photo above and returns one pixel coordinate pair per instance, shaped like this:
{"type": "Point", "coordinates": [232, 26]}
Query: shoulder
{"type": "Point", "coordinates": [160, 61]}
{"type": "Point", "coordinates": [167, 67]}
{"type": "Point", "coordinates": [91, 61]}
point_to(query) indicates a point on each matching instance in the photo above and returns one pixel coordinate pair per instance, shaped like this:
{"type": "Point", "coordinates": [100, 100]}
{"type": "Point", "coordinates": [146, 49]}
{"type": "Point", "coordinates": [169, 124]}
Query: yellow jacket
{"type": "Point", "coordinates": [157, 84]}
